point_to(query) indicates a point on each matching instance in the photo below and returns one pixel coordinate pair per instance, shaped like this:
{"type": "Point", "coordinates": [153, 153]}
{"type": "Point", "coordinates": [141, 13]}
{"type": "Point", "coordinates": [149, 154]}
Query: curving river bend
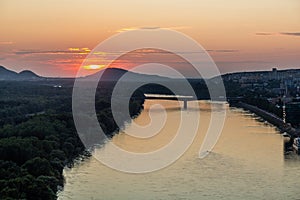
{"type": "Point", "coordinates": [247, 163]}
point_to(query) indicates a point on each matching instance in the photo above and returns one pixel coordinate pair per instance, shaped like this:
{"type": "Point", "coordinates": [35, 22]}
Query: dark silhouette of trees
{"type": "Point", "coordinates": [38, 136]}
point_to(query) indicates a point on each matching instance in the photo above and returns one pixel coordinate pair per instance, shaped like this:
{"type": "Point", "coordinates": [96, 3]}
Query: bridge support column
{"type": "Point", "coordinates": [184, 104]}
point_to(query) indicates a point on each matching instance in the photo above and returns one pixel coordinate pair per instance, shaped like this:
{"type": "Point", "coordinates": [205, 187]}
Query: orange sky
{"type": "Point", "coordinates": [52, 37]}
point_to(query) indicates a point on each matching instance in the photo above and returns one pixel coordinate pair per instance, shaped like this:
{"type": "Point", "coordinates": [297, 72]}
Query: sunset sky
{"type": "Point", "coordinates": [52, 37]}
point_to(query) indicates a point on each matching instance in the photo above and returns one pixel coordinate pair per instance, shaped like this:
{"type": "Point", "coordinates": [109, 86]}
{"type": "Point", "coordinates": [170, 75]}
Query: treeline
{"type": "Point", "coordinates": [33, 155]}
{"type": "Point", "coordinates": [38, 136]}
{"type": "Point", "coordinates": [18, 100]}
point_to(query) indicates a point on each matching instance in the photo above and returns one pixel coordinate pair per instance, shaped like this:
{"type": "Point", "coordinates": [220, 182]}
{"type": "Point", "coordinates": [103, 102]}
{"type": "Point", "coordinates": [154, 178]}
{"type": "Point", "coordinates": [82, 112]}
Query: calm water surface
{"type": "Point", "coordinates": [247, 163]}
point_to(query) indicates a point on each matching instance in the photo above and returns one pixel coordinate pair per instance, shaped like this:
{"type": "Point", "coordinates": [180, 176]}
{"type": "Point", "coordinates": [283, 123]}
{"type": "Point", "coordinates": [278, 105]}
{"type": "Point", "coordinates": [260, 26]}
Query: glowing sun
{"type": "Point", "coordinates": [93, 67]}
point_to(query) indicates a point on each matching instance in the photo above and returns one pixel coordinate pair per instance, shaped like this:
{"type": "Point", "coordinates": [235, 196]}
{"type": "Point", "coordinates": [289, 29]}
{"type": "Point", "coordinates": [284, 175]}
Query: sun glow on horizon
{"type": "Point", "coordinates": [94, 67]}
{"type": "Point", "coordinates": [53, 39]}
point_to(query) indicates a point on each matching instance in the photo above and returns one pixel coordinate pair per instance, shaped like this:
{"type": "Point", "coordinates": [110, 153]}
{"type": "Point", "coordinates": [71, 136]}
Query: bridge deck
{"type": "Point", "coordinates": [185, 99]}
{"type": "Point", "coordinates": [170, 97]}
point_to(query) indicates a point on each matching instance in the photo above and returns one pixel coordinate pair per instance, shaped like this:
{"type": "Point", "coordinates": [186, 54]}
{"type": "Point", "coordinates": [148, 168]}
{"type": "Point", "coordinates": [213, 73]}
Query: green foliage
{"type": "Point", "coordinates": [38, 166]}
{"type": "Point", "coordinates": [38, 136]}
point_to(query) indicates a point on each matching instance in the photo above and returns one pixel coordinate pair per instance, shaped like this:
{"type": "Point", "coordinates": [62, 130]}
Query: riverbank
{"type": "Point", "coordinates": [273, 119]}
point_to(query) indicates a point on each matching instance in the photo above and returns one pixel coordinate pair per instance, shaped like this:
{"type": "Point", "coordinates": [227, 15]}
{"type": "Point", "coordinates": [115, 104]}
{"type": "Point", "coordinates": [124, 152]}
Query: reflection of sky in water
{"type": "Point", "coordinates": [247, 163]}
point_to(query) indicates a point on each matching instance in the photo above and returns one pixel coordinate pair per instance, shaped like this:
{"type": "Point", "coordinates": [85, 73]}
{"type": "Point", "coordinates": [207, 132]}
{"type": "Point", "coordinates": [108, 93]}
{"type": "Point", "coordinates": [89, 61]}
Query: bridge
{"type": "Point", "coordinates": [185, 99]}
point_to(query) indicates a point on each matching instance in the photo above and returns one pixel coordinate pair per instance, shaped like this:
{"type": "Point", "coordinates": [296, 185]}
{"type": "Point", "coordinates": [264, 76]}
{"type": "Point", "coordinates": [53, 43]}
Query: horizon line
{"type": "Point", "coordinates": [222, 74]}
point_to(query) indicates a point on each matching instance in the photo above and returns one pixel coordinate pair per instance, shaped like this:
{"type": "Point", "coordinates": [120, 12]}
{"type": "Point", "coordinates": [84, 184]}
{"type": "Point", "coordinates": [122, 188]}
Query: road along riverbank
{"type": "Point", "coordinates": [286, 128]}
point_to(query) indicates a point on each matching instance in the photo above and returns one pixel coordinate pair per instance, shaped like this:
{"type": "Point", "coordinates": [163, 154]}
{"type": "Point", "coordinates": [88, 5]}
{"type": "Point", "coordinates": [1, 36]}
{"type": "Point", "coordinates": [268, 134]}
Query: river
{"type": "Point", "coordinates": [248, 162]}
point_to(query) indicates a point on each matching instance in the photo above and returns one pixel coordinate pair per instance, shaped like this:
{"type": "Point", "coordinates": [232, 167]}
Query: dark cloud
{"type": "Point", "coordinates": [280, 33]}
{"type": "Point", "coordinates": [244, 62]}
{"type": "Point", "coordinates": [24, 52]}
{"type": "Point", "coordinates": [55, 52]}
{"type": "Point", "coordinates": [290, 33]}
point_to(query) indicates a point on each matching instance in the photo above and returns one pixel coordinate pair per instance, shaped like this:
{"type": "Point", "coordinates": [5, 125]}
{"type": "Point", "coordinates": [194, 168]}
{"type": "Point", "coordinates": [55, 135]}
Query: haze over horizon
{"type": "Point", "coordinates": [52, 38]}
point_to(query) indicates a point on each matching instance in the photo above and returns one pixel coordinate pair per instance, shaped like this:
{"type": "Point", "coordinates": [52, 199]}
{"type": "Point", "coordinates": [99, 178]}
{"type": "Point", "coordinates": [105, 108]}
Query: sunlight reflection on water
{"type": "Point", "coordinates": [247, 163]}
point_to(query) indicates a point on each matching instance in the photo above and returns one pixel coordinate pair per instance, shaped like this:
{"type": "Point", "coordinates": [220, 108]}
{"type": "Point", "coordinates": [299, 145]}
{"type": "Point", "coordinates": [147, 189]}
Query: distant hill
{"type": "Point", "coordinates": [109, 74]}
{"type": "Point", "coordinates": [6, 74]}
{"type": "Point", "coordinates": [114, 74]}
{"type": "Point", "coordinates": [26, 74]}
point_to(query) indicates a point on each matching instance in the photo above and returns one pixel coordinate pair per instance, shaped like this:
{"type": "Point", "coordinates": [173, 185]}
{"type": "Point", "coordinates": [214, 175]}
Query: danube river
{"type": "Point", "coordinates": [248, 162]}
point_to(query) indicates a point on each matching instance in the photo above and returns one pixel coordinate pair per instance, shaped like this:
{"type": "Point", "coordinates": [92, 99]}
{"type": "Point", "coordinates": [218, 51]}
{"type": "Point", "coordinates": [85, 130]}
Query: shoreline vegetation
{"type": "Point", "coordinates": [38, 137]}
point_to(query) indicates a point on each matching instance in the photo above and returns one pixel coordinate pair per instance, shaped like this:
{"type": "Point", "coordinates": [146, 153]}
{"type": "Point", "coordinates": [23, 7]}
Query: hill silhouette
{"type": "Point", "coordinates": [116, 74]}
{"type": "Point", "coordinates": [6, 74]}
{"type": "Point", "coordinates": [109, 74]}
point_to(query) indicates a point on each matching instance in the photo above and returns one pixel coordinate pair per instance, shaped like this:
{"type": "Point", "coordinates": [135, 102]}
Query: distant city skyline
{"type": "Point", "coordinates": [52, 38]}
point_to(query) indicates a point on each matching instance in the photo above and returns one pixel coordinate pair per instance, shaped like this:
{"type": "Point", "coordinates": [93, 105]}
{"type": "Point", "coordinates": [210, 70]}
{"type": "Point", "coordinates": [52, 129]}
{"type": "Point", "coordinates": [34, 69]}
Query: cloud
{"type": "Point", "coordinates": [264, 33]}
{"type": "Point", "coordinates": [6, 43]}
{"type": "Point", "coordinates": [71, 50]}
{"type": "Point", "coordinates": [152, 28]}
{"type": "Point", "coordinates": [290, 33]}
{"type": "Point", "coordinates": [278, 34]}
{"type": "Point", "coordinates": [138, 28]}
{"type": "Point", "coordinates": [179, 27]}
{"type": "Point", "coordinates": [244, 62]}
{"type": "Point", "coordinates": [223, 50]}
{"type": "Point", "coordinates": [127, 29]}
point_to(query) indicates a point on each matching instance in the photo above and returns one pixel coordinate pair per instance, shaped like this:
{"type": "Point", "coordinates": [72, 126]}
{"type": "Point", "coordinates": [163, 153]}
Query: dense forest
{"type": "Point", "coordinates": [38, 136]}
